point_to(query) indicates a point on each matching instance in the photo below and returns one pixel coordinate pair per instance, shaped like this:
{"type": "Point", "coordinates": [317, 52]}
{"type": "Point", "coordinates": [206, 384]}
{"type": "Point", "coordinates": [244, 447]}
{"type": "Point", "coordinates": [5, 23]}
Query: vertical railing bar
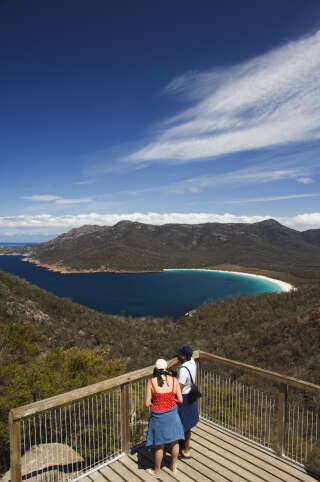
{"type": "Point", "coordinates": [293, 430]}
{"type": "Point", "coordinates": [71, 432]}
{"type": "Point", "coordinates": [92, 433]}
{"type": "Point", "coordinates": [111, 421]}
{"type": "Point", "coordinates": [108, 423]}
{"type": "Point", "coordinates": [225, 402]}
{"type": "Point", "coordinates": [35, 443]}
{"type": "Point", "coordinates": [85, 431]}
{"type": "Point", "coordinates": [97, 429]}
{"type": "Point", "coordinates": [269, 420]}
{"type": "Point", "coordinates": [219, 399]}
{"type": "Point", "coordinates": [79, 465]}
{"type": "Point", "coordinates": [229, 400]}
{"type": "Point", "coordinates": [103, 421]}
{"type": "Point", "coordinates": [66, 434]}
{"type": "Point", "coordinates": [302, 438]}
{"type": "Point", "coordinates": [287, 448]}
{"type": "Point", "coordinates": [46, 437]}
{"type": "Point", "coordinates": [222, 401]}
{"type": "Point", "coordinates": [216, 396]}
{"type": "Point", "coordinates": [306, 437]}
{"type": "Point", "coordinates": [265, 420]}
{"type": "Point", "coordinates": [297, 440]}
{"type": "Point", "coordinates": [75, 435]}
{"type": "Point", "coordinates": [102, 438]}
{"type": "Point", "coordinates": [265, 423]}
{"type": "Point", "coordinates": [89, 433]}
{"type": "Point", "coordinates": [248, 409]}
{"type": "Point", "coordinates": [259, 396]}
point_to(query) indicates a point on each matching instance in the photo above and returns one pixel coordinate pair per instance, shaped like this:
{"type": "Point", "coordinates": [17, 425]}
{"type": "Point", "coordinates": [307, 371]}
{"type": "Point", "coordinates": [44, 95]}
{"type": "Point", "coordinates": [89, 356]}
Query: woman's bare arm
{"type": "Point", "coordinates": [178, 392]}
{"type": "Point", "coordinates": [148, 394]}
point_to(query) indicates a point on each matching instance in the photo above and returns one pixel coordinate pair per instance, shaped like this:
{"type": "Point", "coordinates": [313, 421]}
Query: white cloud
{"type": "Point", "coordinates": [57, 199]}
{"type": "Point", "coordinates": [305, 180]}
{"type": "Point", "coordinates": [271, 100]}
{"type": "Point", "coordinates": [46, 224]}
{"type": "Point", "coordinates": [256, 175]}
{"type": "Point", "coordinates": [41, 198]}
{"type": "Point", "coordinates": [273, 198]}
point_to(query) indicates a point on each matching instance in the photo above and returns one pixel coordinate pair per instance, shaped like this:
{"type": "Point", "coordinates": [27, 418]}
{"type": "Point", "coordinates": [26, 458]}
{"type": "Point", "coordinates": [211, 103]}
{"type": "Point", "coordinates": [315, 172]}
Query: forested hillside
{"type": "Point", "coordinates": [50, 345]}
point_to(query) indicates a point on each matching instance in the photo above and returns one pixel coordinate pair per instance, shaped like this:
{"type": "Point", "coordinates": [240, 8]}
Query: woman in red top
{"type": "Point", "coordinates": [165, 427]}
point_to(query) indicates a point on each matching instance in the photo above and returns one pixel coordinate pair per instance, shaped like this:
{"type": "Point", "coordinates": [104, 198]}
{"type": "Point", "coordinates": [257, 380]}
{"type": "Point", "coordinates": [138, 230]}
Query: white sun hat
{"type": "Point", "coordinates": [161, 364]}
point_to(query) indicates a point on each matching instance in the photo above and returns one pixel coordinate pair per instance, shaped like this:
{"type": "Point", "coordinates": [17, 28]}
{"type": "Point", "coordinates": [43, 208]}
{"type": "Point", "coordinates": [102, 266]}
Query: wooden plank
{"type": "Point", "coordinates": [109, 474]}
{"type": "Point", "coordinates": [259, 466]}
{"type": "Point", "coordinates": [126, 474]}
{"type": "Point", "coordinates": [218, 466]}
{"type": "Point", "coordinates": [246, 447]}
{"type": "Point", "coordinates": [15, 449]}
{"type": "Point", "coordinates": [185, 472]}
{"type": "Point", "coordinates": [244, 468]}
{"type": "Point", "coordinates": [96, 477]}
{"type": "Point", "coordinates": [208, 473]}
{"type": "Point", "coordinates": [147, 461]}
{"type": "Point", "coordinates": [142, 473]}
{"type": "Point", "coordinates": [276, 377]}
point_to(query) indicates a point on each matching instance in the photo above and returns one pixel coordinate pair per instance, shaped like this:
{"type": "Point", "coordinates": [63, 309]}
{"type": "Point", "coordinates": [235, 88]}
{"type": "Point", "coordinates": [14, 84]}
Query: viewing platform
{"type": "Point", "coordinates": [256, 425]}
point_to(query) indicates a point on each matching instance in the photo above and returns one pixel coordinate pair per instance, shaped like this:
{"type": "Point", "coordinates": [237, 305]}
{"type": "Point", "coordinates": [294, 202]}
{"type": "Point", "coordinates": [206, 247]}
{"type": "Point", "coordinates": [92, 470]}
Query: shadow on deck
{"type": "Point", "coordinates": [218, 456]}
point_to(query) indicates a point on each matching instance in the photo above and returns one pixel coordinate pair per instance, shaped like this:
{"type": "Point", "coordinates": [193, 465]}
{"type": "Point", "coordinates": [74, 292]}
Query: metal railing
{"type": "Point", "coordinates": [278, 412]}
{"type": "Point", "coordinates": [71, 434]}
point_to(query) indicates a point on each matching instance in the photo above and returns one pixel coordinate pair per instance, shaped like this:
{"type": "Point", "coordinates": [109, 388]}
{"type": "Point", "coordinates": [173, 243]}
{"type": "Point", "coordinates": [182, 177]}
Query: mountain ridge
{"type": "Point", "coordinates": [135, 246]}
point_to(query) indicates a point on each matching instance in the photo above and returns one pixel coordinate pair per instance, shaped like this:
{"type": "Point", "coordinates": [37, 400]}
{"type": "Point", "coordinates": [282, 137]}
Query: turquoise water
{"type": "Point", "coordinates": [170, 293]}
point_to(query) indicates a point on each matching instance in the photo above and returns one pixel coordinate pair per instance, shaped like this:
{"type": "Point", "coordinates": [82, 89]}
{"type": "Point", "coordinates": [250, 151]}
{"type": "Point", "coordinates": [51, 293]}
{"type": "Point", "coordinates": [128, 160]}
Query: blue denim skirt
{"type": "Point", "coordinates": [164, 427]}
{"type": "Point", "coordinates": [189, 413]}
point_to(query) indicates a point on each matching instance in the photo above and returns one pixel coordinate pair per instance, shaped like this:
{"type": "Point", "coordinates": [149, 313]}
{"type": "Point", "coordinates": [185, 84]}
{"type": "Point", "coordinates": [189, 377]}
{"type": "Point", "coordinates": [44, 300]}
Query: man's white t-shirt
{"type": "Point", "coordinates": [184, 377]}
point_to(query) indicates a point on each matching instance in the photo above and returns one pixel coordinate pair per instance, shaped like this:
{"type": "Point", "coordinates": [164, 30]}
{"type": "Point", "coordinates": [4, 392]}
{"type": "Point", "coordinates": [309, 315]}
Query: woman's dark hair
{"type": "Point", "coordinates": [158, 375]}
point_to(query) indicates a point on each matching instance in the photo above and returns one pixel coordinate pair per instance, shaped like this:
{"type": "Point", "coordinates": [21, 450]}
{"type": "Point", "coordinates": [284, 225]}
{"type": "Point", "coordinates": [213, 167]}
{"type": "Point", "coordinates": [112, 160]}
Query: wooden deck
{"type": "Point", "coordinates": [217, 456]}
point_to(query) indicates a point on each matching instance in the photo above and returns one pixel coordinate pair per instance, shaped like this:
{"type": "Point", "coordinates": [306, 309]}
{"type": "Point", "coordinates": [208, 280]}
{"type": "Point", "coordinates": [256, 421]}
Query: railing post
{"type": "Point", "coordinates": [125, 418]}
{"type": "Point", "coordinates": [282, 418]}
{"type": "Point", "coordinates": [15, 449]}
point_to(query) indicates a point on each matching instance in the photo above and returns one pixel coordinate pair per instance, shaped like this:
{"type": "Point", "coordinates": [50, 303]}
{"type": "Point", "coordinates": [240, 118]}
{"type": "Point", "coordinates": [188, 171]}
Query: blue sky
{"type": "Point", "coordinates": [158, 112]}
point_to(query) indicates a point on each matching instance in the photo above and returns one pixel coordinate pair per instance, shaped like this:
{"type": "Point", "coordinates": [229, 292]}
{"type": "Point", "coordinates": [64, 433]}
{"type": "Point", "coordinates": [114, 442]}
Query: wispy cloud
{"type": "Point", "coordinates": [305, 180]}
{"type": "Point", "coordinates": [272, 198]}
{"type": "Point", "coordinates": [83, 183]}
{"type": "Point", "coordinates": [57, 199]}
{"type": "Point", "coordinates": [272, 100]}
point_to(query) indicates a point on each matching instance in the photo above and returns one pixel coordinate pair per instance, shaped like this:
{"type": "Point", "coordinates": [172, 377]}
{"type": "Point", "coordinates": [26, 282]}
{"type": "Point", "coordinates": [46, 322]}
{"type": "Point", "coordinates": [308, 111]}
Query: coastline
{"type": "Point", "coordinates": [64, 270]}
{"type": "Point", "coordinates": [285, 287]}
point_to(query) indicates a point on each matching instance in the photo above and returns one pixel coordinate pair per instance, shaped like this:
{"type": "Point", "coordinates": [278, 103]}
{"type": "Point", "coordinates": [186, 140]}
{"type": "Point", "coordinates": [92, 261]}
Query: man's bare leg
{"type": "Point", "coordinates": [186, 445]}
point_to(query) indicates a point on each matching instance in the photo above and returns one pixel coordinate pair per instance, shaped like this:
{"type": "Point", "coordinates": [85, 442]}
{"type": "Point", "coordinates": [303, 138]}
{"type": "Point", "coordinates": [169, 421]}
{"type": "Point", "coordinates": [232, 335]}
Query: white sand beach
{"type": "Point", "coordinates": [282, 284]}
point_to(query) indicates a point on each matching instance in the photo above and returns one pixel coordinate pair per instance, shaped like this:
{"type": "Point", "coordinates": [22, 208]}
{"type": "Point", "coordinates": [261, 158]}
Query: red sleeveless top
{"type": "Point", "coordinates": [162, 402]}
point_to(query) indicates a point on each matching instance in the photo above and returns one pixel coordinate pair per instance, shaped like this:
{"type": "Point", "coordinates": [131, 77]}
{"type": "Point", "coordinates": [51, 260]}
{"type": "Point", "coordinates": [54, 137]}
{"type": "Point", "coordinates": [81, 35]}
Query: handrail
{"type": "Point", "coordinates": [276, 377]}
{"type": "Point", "coordinates": [74, 395]}
{"type": "Point", "coordinates": [79, 393]}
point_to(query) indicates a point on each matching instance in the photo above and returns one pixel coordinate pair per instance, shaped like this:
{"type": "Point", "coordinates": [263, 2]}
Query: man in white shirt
{"type": "Point", "coordinates": [188, 411]}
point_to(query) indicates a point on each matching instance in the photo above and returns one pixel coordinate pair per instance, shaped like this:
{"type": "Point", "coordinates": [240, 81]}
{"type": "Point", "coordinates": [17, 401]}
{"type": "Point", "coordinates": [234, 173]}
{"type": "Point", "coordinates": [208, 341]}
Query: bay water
{"type": "Point", "coordinates": [166, 294]}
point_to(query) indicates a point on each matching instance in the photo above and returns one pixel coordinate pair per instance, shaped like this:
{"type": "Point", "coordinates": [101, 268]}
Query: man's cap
{"type": "Point", "coordinates": [161, 364]}
{"type": "Point", "coordinates": [184, 350]}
